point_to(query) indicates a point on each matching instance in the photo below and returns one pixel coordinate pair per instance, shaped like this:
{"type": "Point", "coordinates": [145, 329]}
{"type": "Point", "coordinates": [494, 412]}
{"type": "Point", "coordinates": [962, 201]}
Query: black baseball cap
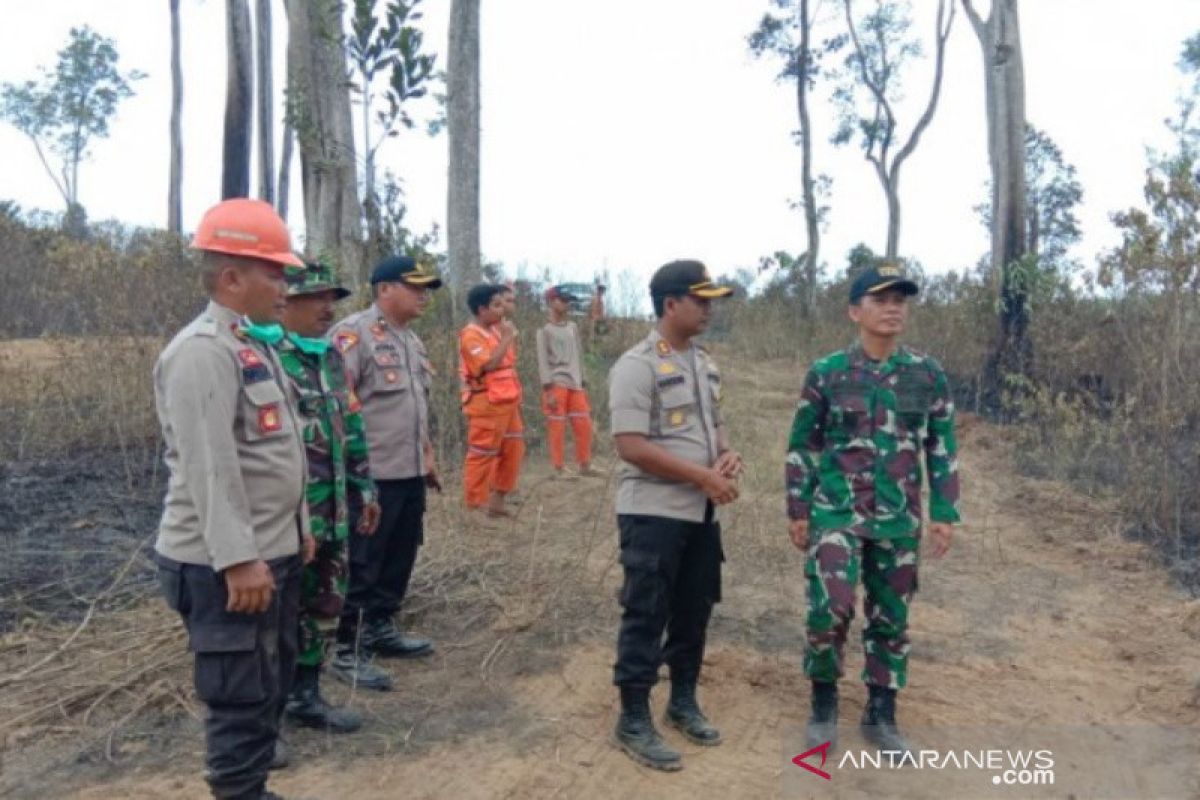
{"type": "Point", "coordinates": [877, 279]}
{"type": "Point", "coordinates": [686, 277]}
{"type": "Point", "coordinates": [404, 269]}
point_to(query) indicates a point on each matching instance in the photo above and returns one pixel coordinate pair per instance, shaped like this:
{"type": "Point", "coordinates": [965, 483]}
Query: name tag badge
{"type": "Point", "coordinates": [259, 372]}
{"type": "Point", "coordinates": [269, 419]}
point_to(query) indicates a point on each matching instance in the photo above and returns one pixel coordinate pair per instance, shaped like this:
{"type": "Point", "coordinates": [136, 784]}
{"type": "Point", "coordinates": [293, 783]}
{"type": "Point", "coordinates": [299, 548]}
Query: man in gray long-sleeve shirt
{"type": "Point", "coordinates": [563, 395]}
{"type": "Point", "coordinates": [235, 517]}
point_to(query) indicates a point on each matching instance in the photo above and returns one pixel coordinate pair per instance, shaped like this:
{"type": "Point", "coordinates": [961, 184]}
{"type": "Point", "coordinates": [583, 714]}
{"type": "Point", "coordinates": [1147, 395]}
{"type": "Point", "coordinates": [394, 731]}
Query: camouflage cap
{"type": "Point", "coordinates": [315, 277]}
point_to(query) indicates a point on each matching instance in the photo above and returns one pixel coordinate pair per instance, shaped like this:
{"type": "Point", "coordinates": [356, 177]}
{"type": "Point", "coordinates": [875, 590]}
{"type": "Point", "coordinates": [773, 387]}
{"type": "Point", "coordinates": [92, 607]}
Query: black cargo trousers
{"type": "Point", "coordinates": [381, 564]}
{"type": "Point", "coordinates": [672, 581]}
{"type": "Point", "coordinates": [243, 668]}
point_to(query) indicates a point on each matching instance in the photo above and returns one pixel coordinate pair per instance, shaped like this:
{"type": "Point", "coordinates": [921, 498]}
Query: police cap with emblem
{"type": "Point", "coordinates": [403, 269]}
{"type": "Point", "coordinates": [686, 277]}
{"type": "Point", "coordinates": [880, 278]}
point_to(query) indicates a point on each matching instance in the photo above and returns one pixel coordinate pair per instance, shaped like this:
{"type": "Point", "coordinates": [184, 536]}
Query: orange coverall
{"type": "Point", "coordinates": [492, 404]}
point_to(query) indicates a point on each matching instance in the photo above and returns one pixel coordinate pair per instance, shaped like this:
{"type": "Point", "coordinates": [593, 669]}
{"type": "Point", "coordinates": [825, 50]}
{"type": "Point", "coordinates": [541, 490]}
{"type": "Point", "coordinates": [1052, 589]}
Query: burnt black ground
{"type": "Point", "coordinates": [68, 524]}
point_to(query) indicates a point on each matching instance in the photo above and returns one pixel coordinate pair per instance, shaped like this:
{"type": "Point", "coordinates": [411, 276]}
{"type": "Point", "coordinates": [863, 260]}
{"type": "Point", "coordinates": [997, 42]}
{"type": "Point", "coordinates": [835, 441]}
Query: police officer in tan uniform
{"type": "Point", "coordinates": [230, 539]}
{"type": "Point", "coordinates": [388, 368]}
{"type": "Point", "coordinates": [665, 394]}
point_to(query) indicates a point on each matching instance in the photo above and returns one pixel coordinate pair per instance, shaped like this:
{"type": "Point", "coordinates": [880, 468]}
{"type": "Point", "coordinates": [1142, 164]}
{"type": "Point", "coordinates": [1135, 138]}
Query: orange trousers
{"type": "Point", "coordinates": [570, 405]}
{"type": "Point", "coordinates": [495, 448]}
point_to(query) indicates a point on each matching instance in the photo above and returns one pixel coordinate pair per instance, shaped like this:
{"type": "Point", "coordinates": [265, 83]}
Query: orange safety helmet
{"type": "Point", "coordinates": [248, 228]}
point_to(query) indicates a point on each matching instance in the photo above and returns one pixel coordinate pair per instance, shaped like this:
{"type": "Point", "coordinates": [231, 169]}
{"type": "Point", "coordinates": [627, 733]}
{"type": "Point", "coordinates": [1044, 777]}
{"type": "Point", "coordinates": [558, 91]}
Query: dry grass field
{"type": "Point", "coordinates": [1041, 614]}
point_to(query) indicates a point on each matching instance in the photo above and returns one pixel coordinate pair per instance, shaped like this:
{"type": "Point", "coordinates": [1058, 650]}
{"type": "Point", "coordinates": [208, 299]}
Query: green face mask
{"type": "Point", "coordinates": [270, 333]}
{"type": "Point", "coordinates": [314, 347]}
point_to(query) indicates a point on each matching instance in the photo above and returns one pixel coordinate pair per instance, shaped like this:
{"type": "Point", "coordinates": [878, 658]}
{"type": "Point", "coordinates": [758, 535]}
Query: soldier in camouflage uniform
{"type": "Point", "coordinates": [866, 416]}
{"type": "Point", "coordinates": [338, 476]}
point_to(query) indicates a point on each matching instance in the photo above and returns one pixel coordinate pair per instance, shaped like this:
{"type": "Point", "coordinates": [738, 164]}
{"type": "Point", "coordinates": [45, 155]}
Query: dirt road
{"type": "Point", "coordinates": [1040, 616]}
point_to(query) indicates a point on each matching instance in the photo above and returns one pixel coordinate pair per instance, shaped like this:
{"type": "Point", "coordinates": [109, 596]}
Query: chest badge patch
{"type": "Point", "coordinates": [269, 420]}
{"type": "Point", "coordinates": [249, 358]}
{"type": "Point", "coordinates": [344, 340]}
{"type": "Point", "coordinates": [391, 376]}
{"type": "Point", "coordinates": [666, 368]}
{"type": "Point", "coordinates": [677, 418]}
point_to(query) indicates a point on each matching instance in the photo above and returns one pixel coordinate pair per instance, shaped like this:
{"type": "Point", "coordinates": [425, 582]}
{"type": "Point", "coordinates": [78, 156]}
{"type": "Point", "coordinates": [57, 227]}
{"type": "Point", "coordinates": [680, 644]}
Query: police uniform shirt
{"type": "Point", "coordinates": [672, 398]}
{"type": "Point", "coordinates": [233, 447]}
{"type": "Point", "coordinates": [390, 372]}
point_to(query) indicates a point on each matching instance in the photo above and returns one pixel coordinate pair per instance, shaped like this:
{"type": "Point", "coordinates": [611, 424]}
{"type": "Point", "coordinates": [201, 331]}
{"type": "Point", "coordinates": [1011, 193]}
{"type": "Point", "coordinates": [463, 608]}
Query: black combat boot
{"type": "Point", "coordinates": [822, 724]}
{"type": "Point", "coordinates": [280, 757]}
{"type": "Point", "coordinates": [306, 706]}
{"type": "Point", "coordinates": [684, 714]}
{"type": "Point", "coordinates": [636, 735]}
{"type": "Point", "coordinates": [382, 638]}
{"type": "Point", "coordinates": [356, 669]}
{"type": "Point", "coordinates": [879, 720]}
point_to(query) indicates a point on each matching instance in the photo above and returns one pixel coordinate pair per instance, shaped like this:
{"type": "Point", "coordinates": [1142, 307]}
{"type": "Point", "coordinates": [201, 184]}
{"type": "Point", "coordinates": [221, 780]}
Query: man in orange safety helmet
{"type": "Point", "coordinates": [235, 520]}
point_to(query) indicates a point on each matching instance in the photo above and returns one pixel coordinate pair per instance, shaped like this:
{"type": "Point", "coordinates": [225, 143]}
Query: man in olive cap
{"type": "Point", "coordinates": [338, 470]}
{"type": "Point", "coordinates": [868, 415]}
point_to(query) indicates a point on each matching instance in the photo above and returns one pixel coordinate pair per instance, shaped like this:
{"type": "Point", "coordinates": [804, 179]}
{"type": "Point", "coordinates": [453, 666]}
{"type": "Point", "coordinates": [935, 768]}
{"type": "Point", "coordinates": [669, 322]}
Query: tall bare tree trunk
{"type": "Point", "coordinates": [319, 108]}
{"type": "Point", "coordinates": [463, 109]}
{"type": "Point", "coordinates": [239, 99]}
{"type": "Point", "coordinates": [887, 168]}
{"type": "Point", "coordinates": [175, 180]}
{"type": "Point", "coordinates": [266, 100]}
{"type": "Point", "coordinates": [811, 216]}
{"type": "Point", "coordinates": [1004, 74]}
{"type": "Point", "coordinates": [285, 169]}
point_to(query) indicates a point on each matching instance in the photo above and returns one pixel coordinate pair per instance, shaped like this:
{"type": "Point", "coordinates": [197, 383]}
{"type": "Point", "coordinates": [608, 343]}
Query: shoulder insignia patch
{"type": "Point", "coordinates": [344, 340]}
{"type": "Point", "coordinates": [249, 358]}
{"type": "Point", "coordinates": [206, 326]}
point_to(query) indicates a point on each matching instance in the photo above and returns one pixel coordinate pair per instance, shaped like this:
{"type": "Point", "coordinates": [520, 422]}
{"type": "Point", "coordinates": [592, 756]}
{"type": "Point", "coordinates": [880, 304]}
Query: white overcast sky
{"type": "Point", "coordinates": [619, 135]}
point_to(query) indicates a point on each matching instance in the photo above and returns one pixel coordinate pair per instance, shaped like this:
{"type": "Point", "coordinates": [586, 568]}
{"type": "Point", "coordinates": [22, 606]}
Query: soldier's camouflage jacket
{"type": "Point", "coordinates": [861, 428]}
{"type": "Point", "coordinates": [333, 437]}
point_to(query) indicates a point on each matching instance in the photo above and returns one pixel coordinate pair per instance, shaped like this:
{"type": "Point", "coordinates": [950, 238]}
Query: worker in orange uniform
{"type": "Point", "coordinates": [563, 395]}
{"type": "Point", "coordinates": [491, 399]}
{"type": "Point", "coordinates": [512, 448]}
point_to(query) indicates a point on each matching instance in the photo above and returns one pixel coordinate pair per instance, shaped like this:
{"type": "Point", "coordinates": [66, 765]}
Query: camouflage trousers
{"type": "Point", "coordinates": [836, 559]}
{"type": "Point", "coordinates": [322, 595]}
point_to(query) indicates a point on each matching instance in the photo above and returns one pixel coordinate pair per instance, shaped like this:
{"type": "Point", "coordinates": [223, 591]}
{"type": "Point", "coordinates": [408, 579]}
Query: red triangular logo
{"type": "Point", "coordinates": [823, 749]}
